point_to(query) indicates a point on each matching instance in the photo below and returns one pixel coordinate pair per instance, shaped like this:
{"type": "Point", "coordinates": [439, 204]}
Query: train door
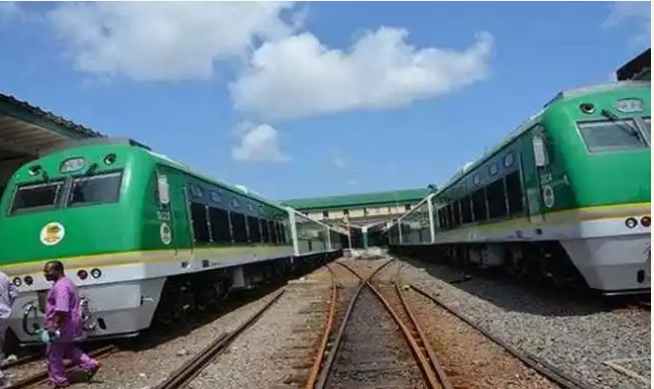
{"type": "Point", "coordinates": [180, 228]}
{"type": "Point", "coordinates": [533, 159]}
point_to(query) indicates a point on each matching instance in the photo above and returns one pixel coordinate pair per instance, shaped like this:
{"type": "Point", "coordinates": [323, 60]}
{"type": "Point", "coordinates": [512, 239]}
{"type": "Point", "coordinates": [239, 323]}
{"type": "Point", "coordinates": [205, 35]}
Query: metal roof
{"type": "Point", "coordinates": [359, 200]}
{"type": "Point", "coordinates": [28, 130]}
{"type": "Point", "coordinates": [636, 66]}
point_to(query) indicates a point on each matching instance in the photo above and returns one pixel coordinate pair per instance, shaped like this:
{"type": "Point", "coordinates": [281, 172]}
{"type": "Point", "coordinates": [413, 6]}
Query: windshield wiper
{"type": "Point", "coordinates": [623, 125]}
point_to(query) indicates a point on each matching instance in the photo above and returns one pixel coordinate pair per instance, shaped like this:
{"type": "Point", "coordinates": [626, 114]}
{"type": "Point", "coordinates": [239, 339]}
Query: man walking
{"type": "Point", "coordinates": [62, 315]}
{"type": "Point", "coordinates": [8, 294]}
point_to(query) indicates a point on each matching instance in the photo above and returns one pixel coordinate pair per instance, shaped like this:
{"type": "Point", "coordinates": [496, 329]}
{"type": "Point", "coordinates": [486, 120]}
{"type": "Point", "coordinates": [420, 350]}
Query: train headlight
{"type": "Point", "coordinates": [29, 280]}
{"type": "Point", "coordinates": [646, 221]}
{"type": "Point", "coordinates": [18, 282]}
{"type": "Point", "coordinates": [631, 222]}
{"type": "Point", "coordinates": [96, 273]}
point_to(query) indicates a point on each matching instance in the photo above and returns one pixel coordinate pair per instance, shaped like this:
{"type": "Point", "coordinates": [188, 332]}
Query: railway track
{"type": "Point", "coordinates": [367, 351]}
{"type": "Point", "coordinates": [41, 377]}
{"type": "Point", "coordinates": [181, 377]}
{"type": "Point", "coordinates": [539, 365]}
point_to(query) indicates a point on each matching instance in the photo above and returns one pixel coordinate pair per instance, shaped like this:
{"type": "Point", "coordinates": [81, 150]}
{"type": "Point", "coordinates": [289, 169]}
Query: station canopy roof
{"type": "Point", "coordinates": [27, 130]}
{"type": "Point", "coordinates": [359, 200]}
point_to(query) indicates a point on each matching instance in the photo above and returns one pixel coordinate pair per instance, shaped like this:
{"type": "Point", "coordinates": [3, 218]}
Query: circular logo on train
{"type": "Point", "coordinates": [52, 233]}
{"type": "Point", "coordinates": [165, 233]}
{"type": "Point", "coordinates": [548, 196]}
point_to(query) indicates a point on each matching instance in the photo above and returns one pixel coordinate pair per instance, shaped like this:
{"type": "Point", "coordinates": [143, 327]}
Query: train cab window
{"type": "Point", "coordinates": [496, 199]}
{"type": "Point", "coordinates": [514, 193]}
{"type": "Point", "coordinates": [200, 221]}
{"type": "Point", "coordinates": [36, 196]}
{"type": "Point", "coordinates": [611, 136]}
{"type": "Point", "coordinates": [219, 221]}
{"type": "Point", "coordinates": [97, 189]}
{"type": "Point", "coordinates": [253, 227]}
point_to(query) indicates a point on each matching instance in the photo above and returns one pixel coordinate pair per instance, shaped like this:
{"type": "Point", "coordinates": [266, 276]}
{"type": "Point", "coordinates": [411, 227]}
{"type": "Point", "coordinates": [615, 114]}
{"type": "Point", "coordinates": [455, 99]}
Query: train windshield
{"type": "Point", "coordinates": [612, 135]}
{"type": "Point", "coordinates": [36, 196]}
{"type": "Point", "coordinates": [96, 189]}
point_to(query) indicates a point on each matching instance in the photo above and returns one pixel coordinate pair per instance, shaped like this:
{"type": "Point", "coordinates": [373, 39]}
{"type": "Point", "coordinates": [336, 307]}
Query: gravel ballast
{"type": "Point", "coordinates": [277, 351]}
{"type": "Point", "coordinates": [574, 336]}
{"type": "Point", "coordinates": [146, 368]}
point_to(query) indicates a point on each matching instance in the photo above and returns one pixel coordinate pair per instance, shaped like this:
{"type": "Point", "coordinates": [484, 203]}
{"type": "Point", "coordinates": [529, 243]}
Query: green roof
{"type": "Point", "coordinates": [359, 200]}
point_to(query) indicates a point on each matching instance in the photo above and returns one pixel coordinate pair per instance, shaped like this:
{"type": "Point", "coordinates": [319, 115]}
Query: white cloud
{"type": "Point", "coordinates": [298, 76]}
{"type": "Point", "coordinates": [258, 143]}
{"type": "Point", "coordinates": [166, 40]}
{"type": "Point", "coordinates": [636, 14]}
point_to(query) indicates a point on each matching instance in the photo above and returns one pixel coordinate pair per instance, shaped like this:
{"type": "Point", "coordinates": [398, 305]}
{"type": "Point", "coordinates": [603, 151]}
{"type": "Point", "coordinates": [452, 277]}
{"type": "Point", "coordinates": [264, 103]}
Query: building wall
{"type": "Point", "coordinates": [358, 212]}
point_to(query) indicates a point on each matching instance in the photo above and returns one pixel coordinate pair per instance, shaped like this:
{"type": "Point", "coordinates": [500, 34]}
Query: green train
{"type": "Point", "coordinates": [146, 238]}
{"type": "Point", "coordinates": [565, 197]}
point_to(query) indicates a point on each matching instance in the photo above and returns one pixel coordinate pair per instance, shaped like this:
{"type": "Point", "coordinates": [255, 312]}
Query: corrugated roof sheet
{"type": "Point", "coordinates": [361, 199]}
{"type": "Point", "coordinates": [39, 113]}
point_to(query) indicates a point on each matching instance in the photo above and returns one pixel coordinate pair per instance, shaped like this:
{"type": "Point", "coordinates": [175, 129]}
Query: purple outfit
{"type": "Point", "coordinates": [63, 297]}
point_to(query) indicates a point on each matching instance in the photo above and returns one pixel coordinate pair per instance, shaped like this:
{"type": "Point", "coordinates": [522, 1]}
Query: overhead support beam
{"type": "Point", "coordinates": [11, 146]}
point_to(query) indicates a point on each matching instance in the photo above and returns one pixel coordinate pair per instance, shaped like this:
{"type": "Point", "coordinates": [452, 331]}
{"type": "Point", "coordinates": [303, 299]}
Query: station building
{"type": "Point", "coordinates": [363, 214]}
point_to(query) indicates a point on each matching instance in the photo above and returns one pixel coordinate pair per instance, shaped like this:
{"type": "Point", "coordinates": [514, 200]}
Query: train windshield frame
{"type": "Point", "coordinates": [39, 196]}
{"type": "Point", "coordinates": [101, 188]}
{"type": "Point", "coordinates": [600, 136]}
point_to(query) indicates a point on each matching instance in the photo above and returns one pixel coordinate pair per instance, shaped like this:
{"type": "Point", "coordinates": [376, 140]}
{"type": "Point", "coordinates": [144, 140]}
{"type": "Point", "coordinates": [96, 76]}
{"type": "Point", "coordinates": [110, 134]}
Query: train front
{"type": "Point", "coordinates": [69, 206]}
{"type": "Point", "coordinates": [601, 183]}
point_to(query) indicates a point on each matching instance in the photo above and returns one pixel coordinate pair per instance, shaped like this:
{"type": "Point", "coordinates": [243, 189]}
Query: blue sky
{"type": "Point", "coordinates": [310, 99]}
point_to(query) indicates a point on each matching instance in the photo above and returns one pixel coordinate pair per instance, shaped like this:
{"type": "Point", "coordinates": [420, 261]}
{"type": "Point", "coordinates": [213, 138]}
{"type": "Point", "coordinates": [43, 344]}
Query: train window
{"type": "Point", "coordinates": [466, 210]}
{"type": "Point", "coordinates": [215, 196]}
{"type": "Point", "coordinates": [35, 196]}
{"type": "Point", "coordinates": [265, 235]}
{"type": "Point", "coordinates": [273, 232]}
{"type": "Point", "coordinates": [611, 136]}
{"type": "Point", "coordinates": [196, 191]}
{"type": "Point", "coordinates": [239, 231]}
{"type": "Point", "coordinates": [219, 221]}
{"type": "Point", "coordinates": [496, 199]}
{"type": "Point", "coordinates": [476, 180]}
{"type": "Point", "coordinates": [493, 169]}
{"type": "Point", "coordinates": [200, 221]}
{"type": "Point", "coordinates": [282, 228]}
{"type": "Point", "coordinates": [514, 193]}
{"type": "Point", "coordinates": [508, 160]}
{"type": "Point", "coordinates": [647, 122]}
{"type": "Point", "coordinates": [253, 226]}
{"type": "Point", "coordinates": [97, 189]}
{"type": "Point", "coordinates": [479, 205]}
{"type": "Point", "coordinates": [235, 203]}
{"type": "Point", "coordinates": [280, 233]}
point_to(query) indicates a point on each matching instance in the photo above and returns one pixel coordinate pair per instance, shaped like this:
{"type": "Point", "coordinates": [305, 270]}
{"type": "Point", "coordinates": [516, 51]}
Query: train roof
{"type": "Point", "coordinates": [239, 189]}
{"type": "Point", "coordinates": [560, 97]}
{"type": "Point", "coordinates": [123, 141]}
